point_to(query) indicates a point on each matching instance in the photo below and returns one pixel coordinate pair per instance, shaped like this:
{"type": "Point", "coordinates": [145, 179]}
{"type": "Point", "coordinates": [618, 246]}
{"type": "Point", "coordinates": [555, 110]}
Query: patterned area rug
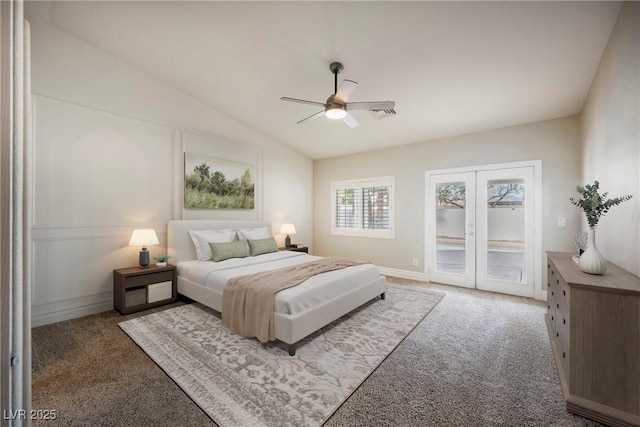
{"type": "Point", "coordinates": [240, 382]}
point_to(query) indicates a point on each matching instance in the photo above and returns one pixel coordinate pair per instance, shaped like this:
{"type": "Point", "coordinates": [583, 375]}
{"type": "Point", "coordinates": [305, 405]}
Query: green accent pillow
{"type": "Point", "coordinates": [262, 246]}
{"type": "Point", "coordinates": [222, 251]}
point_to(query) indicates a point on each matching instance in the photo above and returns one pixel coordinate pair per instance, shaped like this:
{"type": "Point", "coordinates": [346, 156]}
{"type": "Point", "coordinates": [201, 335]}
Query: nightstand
{"type": "Point", "coordinates": [304, 249]}
{"type": "Point", "coordinates": [136, 288]}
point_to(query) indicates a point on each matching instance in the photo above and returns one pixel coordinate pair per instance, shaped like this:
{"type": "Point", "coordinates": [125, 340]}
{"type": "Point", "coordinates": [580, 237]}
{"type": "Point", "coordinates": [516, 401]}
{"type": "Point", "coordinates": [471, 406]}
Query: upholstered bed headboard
{"type": "Point", "coordinates": [179, 244]}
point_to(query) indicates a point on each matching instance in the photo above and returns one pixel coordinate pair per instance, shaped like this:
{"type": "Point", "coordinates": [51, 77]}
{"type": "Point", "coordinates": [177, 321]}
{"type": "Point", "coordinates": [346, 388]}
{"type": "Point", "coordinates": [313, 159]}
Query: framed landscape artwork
{"type": "Point", "coordinates": [211, 183]}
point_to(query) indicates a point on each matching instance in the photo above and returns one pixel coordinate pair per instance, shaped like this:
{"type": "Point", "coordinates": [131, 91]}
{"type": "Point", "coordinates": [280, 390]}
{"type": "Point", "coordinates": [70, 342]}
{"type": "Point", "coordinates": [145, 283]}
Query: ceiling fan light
{"type": "Point", "coordinates": [335, 113]}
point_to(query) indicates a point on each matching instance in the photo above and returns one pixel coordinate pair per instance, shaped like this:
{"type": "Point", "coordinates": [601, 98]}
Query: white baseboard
{"type": "Point", "coordinates": [419, 276]}
{"type": "Point", "coordinates": [45, 314]}
{"type": "Point", "coordinates": [403, 274]}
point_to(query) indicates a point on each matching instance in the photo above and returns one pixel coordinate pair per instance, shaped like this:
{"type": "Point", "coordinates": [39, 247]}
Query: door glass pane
{"type": "Point", "coordinates": [450, 227]}
{"type": "Point", "coordinates": [506, 230]}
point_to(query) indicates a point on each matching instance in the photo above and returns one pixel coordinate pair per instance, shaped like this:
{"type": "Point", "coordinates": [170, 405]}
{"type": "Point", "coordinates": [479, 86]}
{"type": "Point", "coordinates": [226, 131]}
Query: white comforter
{"type": "Point", "coordinates": [313, 291]}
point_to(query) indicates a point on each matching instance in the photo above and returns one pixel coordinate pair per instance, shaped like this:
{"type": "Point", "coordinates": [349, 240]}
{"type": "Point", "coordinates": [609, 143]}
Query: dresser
{"type": "Point", "coordinates": [594, 327]}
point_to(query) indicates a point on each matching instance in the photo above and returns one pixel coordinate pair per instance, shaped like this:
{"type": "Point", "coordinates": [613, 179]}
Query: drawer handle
{"type": "Point", "coordinates": [563, 355]}
{"type": "Point", "coordinates": [551, 317]}
{"type": "Point", "coordinates": [552, 273]}
{"type": "Point", "coordinates": [564, 293]}
{"type": "Point", "coordinates": [548, 284]}
{"type": "Point", "coordinates": [548, 265]}
{"type": "Point", "coordinates": [557, 305]}
{"type": "Point", "coordinates": [557, 282]}
{"type": "Point", "coordinates": [557, 334]}
{"type": "Point", "coordinates": [564, 321]}
{"type": "Point", "coordinates": [548, 306]}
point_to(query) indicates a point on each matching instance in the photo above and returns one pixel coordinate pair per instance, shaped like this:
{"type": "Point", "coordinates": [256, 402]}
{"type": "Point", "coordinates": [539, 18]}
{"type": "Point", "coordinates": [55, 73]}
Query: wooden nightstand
{"type": "Point", "coordinates": [304, 249]}
{"type": "Point", "coordinates": [136, 288]}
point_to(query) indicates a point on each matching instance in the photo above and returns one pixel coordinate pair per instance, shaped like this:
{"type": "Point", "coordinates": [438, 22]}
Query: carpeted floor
{"type": "Point", "coordinates": [477, 359]}
{"type": "Point", "coordinates": [238, 381]}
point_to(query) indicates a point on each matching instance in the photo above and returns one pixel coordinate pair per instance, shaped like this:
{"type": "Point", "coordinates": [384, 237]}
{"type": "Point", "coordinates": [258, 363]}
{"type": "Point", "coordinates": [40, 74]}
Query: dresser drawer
{"type": "Point", "coordinates": [563, 343]}
{"type": "Point", "coordinates": [552, 290]}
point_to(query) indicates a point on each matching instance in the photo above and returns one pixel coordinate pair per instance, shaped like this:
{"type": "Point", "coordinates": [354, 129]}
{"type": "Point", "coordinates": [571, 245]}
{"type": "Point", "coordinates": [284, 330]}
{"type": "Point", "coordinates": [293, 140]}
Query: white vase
{"type": "Point", "coordinates": [591, 261]}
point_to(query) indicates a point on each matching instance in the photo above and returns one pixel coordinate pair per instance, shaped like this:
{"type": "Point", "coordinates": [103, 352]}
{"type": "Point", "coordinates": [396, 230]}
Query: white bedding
{"type": "Point", "coordinates": [215, 275]}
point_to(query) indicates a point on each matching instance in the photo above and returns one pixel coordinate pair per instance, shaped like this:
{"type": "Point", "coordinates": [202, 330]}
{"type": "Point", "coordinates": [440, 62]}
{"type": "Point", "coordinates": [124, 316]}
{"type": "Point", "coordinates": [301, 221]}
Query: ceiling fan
{"type": "Point", "coordinates": [337, 106]}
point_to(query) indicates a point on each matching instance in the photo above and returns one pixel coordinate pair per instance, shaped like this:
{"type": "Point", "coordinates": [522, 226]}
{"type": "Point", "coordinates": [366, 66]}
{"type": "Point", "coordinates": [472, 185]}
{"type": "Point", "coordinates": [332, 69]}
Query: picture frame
{"type": "Point", "coordinates": [213, 183]}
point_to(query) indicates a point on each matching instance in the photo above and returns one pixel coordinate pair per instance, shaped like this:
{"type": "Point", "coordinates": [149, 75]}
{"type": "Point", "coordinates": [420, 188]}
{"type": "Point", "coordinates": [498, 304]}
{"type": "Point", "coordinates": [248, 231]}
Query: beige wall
{"type": "Point", "coordinates": [603, 144]}
{"type": "Point", "coordinates": [610, 126]}
{"type": "Point", "coordinates": [555, 142]}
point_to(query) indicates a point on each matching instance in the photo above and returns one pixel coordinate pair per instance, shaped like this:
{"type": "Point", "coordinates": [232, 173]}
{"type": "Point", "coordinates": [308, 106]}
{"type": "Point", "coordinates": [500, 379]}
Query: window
{"type": "Point", "coordinates": [363, 208]}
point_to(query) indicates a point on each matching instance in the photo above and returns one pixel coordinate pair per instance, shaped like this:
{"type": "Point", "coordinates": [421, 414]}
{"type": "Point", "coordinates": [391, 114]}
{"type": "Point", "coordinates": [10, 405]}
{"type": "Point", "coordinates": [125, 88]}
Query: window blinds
{"type": "Point", "coordinates": [347, 202]}
{"type": "Point", "coordinates": [375, 208]}
{"type": "Point", "coordinates": [363, 208]}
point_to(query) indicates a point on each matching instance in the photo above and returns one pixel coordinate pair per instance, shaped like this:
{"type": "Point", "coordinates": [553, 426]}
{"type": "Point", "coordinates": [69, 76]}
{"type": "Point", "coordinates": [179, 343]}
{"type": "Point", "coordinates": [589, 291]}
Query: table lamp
{"type": "Point", "coordinates": [287, 229]}
{"type": "Point", "coordinates": [143, 237]}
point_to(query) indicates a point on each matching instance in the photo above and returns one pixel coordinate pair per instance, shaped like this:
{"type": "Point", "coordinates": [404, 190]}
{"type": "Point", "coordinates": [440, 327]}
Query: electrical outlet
{"type": "Point", "coordinates": [562, 222]}
{"type": "Point", "coordinates": [415, 261]}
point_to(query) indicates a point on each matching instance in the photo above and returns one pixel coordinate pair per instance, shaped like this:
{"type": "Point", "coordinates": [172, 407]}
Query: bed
{"type": "Point", "coordinates": [298, 311]}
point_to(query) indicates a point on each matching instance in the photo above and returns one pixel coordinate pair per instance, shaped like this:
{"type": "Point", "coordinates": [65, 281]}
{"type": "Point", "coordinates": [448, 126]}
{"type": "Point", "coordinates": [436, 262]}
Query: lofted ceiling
{"type": "Point", "coordinates": [451, 67]}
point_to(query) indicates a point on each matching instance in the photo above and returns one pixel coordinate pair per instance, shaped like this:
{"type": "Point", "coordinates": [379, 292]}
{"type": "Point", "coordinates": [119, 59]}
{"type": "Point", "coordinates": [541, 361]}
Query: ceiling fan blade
{"type": "Point", "coordinates": [302, 101]}
{"type": "Point", "coordinates": [350, 121]}
{"type": "Point", "coordinates": [312, 117]}
{"type": "Point", "coordinates": [372, 105]}
{"type": "Point", "coordinates": [345, 90]}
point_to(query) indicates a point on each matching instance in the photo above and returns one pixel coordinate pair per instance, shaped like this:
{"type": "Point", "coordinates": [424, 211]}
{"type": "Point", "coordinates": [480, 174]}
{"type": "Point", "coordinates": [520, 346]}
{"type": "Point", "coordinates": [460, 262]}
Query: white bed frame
{"type": "Point", "coordinates": [289, 328]}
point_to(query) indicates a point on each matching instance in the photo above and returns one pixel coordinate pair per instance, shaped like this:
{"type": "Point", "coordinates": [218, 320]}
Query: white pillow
{"type": "Point", "coordinates": [201, 239]}
{"type": "Point", "coordinates": [253, 233]}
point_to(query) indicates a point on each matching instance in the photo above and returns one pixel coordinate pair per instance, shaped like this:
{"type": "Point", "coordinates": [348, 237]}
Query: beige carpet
{"type": "Point", "coordinates": [241, 382]}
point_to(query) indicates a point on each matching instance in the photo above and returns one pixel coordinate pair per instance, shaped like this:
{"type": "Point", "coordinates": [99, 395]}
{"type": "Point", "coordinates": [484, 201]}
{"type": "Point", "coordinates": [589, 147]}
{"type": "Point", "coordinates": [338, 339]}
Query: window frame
{"type": "Point", "coordinates": [360, 184]}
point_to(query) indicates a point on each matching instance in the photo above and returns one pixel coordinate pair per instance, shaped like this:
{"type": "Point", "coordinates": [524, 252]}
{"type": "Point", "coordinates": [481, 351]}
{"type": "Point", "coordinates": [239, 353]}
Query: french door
{"type": "Point", "coordinates": [480, 229]}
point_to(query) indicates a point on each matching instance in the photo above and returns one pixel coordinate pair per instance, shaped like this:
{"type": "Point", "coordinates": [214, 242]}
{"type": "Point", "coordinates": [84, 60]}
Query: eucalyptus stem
{"type": "Point", "coordinates": [594, 204]}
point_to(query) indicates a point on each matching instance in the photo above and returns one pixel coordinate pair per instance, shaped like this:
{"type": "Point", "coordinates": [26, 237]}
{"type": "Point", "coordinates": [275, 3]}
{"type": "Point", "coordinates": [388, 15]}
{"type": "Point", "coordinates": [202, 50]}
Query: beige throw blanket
{"type": "Point", "coordinates": [248, 301]}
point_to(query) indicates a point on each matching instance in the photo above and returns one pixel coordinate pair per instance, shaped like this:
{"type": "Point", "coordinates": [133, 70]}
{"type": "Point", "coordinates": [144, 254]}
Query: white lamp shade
{"type": "Point", "coordinates": [287, 229]}
{"type": "Point", "coordinates": [144, 237]}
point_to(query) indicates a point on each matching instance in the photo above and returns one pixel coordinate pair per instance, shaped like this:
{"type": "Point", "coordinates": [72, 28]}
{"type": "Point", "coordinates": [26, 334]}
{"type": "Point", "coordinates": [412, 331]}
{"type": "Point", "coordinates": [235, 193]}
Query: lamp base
{"type": "Point", "coordinates": [287, 241]}
{"type": "Point", "coordinates": [144, 258]}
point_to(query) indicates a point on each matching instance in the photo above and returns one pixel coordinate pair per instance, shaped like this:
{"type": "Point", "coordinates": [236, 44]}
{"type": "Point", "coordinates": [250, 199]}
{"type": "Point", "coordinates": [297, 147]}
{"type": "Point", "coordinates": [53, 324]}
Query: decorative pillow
{"type": "Point", "coordinates": [262, 246]}
{"type": "Point", "coordinates": [222, 251]}
{"type": "Point", "coordinates": [201, 239]}
{"type": "Point", "coordinates": [253, 233]}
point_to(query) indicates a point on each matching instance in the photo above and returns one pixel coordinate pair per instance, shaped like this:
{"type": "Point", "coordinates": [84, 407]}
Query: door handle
{"type": "Point", "coordinates": [469, 233]}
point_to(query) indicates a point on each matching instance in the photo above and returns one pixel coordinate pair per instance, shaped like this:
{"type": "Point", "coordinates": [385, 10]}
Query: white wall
{"type": "Point", "coordinates": [555, 142]}
{"type": "Point", "coordinates": [610, 128]}
{"type": "Point", "coordinates": [108, 158]}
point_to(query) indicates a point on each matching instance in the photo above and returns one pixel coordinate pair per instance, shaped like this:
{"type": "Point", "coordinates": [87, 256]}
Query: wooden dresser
{"type": "Point", "coordinates": [594, 328]}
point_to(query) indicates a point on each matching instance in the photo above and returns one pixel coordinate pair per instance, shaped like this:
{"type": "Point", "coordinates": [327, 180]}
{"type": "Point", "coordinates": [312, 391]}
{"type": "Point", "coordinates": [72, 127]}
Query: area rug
{"type": "Point", "coordinates": [241, 382]}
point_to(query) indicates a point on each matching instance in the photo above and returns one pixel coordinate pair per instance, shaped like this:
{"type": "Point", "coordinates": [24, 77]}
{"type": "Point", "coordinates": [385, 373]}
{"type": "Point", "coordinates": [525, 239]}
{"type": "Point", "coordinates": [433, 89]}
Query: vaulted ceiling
{"type": "Point", "coordinates": [451, 67]}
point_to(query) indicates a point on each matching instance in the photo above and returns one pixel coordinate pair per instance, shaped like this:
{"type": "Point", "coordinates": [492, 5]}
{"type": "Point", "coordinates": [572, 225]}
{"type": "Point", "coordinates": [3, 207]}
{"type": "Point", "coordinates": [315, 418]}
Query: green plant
{"type": "Point", "coordinates": [595, 204]}
{"type": "Point", "coordinates": [161, 258]}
